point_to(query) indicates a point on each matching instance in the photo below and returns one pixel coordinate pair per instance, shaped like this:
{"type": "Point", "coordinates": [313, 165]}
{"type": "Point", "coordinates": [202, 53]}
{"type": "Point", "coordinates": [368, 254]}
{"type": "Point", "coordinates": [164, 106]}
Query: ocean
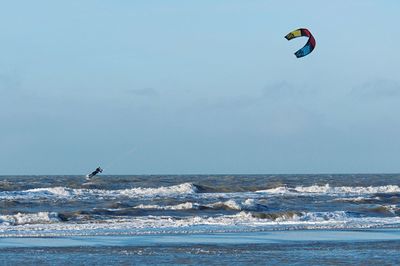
{"type": "Point", "coordinates": [201, 219]}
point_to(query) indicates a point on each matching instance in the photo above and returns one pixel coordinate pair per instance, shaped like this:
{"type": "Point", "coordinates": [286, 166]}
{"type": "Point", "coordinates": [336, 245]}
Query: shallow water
{"type": "Point", "coordinates": [303, 253]}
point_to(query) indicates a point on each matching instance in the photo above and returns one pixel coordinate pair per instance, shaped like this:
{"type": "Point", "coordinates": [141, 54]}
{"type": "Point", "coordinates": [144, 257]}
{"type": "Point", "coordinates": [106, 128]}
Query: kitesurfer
{"type": "Point", "coordinates": [95, 172]}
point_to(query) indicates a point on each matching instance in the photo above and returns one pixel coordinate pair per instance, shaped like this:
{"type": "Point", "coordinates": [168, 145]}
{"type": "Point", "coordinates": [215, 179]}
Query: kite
{"type": "Point", "coordinates": [310, 45]}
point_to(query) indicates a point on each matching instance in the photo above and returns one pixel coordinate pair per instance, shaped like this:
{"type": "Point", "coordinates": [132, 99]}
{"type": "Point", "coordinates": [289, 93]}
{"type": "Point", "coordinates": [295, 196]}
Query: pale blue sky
{"type": "Point", "coordinates": [180, 87]}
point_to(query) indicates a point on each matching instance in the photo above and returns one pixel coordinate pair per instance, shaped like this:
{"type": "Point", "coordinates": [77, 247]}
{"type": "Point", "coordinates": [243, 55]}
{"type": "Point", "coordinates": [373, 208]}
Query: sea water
{"type": "Point", "coordinates": [202, 219]}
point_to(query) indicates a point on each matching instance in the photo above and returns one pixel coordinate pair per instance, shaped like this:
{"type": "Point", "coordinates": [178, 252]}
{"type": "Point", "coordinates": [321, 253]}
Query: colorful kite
{"type": "Point", "coordinates": [310, 45]}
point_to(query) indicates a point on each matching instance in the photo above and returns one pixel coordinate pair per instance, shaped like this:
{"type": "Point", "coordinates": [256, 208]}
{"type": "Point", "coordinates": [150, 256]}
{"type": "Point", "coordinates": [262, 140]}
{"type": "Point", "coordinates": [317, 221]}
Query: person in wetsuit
{"type": "Point", "coordinates": [95, 172]}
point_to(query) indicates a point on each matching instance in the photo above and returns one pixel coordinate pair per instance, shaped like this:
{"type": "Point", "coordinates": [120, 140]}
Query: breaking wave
{"type": "Point", "coordinates": [327, 189]}
{"type": "Point", "coordinates": [206, 204]}
{"type": "Point", "coordinates": [29, 218]}
{"type": "Point", "coordinates": [182, 206]}
{"type": "Point", "coordinates": [247, 205]}
{"type": "Point", "coordinates": [233, 205]}
{"type": "Point", "coordinates": [32, 224]}
{"type": "Point", "coordinates": [243, 216]}
{"type": "Point", "coordinates": [64, 192]}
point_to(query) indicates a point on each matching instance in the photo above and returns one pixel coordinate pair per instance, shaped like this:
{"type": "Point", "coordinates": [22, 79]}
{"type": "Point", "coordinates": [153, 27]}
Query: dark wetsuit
{"type": "Point", "coordinates": [95, 172]}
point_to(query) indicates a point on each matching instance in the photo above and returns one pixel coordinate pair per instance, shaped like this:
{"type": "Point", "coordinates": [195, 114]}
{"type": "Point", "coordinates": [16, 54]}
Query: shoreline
{"type": "Point", "coordinates": [240, 238]}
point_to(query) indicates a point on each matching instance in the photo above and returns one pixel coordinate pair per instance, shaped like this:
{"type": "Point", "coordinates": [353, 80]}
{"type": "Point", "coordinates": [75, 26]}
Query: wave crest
{"type": "Point", "coordinates": [65, 192]}
{"type": "Point", "coordinates": [29, 218]}
{"type": "Point", "coordinates": [230, 205]}
{"type": "Point", "coordinates": [327, 189]}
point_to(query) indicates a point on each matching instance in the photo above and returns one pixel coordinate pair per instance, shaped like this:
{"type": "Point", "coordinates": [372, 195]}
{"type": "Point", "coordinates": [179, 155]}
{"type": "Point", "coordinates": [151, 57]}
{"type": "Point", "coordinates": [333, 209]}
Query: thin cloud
{"type": "Point", "coordinates": [277, 93]}
{"type": "Point", "coordinates": [10, 81]}
{"type": "Point", "coordinates": [377, 89]}
{"type": "Point", "coordinates": [146, 92]}
{"type": "Point", "coordinates": [285, 90]}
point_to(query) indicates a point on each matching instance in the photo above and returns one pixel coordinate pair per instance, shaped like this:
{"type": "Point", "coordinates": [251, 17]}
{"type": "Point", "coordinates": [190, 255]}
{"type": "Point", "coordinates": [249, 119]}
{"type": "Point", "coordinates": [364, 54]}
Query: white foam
{"type": "Point", "coordinates": [391, 208]}
{"type": "Point", "coordinates": [248, 204]}
{"type": "Point", "coordinates": [46, 224]}
{"type": "Point", "coordinates": [327, 189]}
{"type": "Point", "coordinates": [50, 192]}
{"type": "Point", "coordinates": [182, 206]}
{"type": "Point", "coordinates": [229, 204]}
{"type": "Point", "coordinates": [64, 192]}
{"type": "Point", "coordinates": [356, 199]}
{"type": "Point", "coordinates": [29, 218]}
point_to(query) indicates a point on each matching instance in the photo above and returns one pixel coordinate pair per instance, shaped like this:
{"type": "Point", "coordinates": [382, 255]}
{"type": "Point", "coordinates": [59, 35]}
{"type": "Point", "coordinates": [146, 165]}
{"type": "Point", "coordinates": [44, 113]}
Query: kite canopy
{"type": "Point", "coordinates": [310, 45]}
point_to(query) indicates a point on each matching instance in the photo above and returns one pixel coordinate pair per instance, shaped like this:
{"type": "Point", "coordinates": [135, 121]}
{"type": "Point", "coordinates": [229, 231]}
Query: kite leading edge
{"type": "Point", "coordinates": [308, 47]}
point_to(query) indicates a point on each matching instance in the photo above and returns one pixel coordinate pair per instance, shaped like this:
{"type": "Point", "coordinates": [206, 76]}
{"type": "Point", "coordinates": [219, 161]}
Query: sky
{"type": "Point", "coordinates": [199, 87]}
